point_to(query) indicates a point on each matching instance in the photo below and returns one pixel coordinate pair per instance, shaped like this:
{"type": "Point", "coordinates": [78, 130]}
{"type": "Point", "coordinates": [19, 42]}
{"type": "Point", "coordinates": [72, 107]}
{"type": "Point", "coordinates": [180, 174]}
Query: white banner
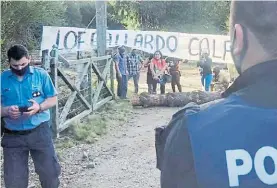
{"type": "Point", "coordinates": [172, 44]}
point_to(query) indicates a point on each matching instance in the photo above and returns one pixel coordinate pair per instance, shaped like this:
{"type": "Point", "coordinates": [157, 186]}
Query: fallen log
{"type": "Point", "coordinates": [174, 99]}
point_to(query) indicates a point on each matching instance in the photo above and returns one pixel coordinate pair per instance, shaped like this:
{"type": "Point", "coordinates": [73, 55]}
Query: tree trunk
{"type": "Point", "coordinates": [174, 99]}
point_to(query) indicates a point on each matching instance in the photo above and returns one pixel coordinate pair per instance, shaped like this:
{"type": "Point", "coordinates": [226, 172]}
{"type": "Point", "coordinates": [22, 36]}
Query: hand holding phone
{"type": "Point", "coordinates": [13, 112]}
{"type": "Point", "coordinates": [23, 109]}
{"type": "Point", "coordinates": [32, 109]}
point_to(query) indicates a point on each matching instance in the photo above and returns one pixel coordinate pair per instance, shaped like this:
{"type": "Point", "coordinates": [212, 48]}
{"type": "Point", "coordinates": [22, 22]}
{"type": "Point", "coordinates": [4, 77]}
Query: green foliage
{"type": "Point", "coordinates": [73, 13]}
{"type": "Point", "coordinates": [22, 21]}
{"type": "Point", "coordinates": [125, 12]}
{"type": "Point", "coordinates": [178, 16]}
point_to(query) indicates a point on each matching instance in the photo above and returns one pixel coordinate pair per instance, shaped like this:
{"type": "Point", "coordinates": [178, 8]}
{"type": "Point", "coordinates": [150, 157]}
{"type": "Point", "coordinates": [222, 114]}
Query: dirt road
{"type": "Point", "coordinates": [124, 158]}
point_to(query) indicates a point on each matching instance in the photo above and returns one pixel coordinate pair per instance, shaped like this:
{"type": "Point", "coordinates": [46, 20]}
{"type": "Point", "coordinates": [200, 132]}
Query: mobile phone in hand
{"type": "Point", "coordinates": [23, 109]}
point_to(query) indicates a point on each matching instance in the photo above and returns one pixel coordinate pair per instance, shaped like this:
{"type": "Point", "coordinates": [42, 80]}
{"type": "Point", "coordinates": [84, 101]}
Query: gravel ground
{"type": "Point", "coordinates": [125, 158]}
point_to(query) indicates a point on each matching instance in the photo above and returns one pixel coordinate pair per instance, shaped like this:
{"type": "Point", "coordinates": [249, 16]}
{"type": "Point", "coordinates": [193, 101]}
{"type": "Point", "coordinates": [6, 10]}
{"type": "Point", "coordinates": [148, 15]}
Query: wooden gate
{"type": "Point", "coordinates": [83, 84]}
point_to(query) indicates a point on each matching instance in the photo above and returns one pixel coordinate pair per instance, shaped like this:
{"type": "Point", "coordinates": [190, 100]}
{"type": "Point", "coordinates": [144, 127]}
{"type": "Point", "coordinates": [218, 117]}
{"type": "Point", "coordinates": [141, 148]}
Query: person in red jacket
{"type": "Point", "coordinates": [158, 68]}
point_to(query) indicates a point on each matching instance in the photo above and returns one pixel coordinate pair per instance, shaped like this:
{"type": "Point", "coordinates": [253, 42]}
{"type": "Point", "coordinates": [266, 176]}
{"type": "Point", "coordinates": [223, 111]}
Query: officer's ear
{"type": "Point", "coordinates": [238, 39]}
{"type": "Point", "coordinates": [29, 58]}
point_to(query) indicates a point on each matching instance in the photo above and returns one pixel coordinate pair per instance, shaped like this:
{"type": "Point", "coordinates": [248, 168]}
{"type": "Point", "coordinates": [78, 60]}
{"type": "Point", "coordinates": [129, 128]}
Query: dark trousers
{"type": "Point", "coordinates": [176, 81]}
{"type": "Point", "coordinates": [149, 81]}
{"type": "Point", "coordinates": [150, 88]}
{"type": "Point", "coordinates": [136, 80]}
{"type": "Point", "coordinates": [122, 86]}
{"type": "Point", "coordinates": [162, 87]}
{"type": "Point", "coordinates": [39, 144]}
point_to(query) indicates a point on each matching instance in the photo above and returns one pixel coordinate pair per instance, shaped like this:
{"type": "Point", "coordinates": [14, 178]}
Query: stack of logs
{"type": "Point", "coordinates": [174, 99]}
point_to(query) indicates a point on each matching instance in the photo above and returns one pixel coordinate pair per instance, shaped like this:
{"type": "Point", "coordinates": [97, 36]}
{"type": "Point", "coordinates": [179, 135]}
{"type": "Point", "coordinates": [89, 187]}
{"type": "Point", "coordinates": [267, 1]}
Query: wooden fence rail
{"type": "Point", "coordinates": [82, 87]}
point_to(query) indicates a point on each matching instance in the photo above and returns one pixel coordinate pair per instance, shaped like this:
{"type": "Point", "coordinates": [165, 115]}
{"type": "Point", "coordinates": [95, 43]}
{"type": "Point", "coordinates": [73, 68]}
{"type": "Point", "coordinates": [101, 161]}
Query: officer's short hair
{"type": "Point", "coordinates": [260, 18]}
{"type": "Point", "coordinates": [17, 52]}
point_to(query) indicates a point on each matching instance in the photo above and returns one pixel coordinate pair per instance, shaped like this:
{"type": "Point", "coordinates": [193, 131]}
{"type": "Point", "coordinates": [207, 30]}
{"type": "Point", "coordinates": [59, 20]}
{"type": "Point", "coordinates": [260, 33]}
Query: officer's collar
{"type": "Point", "coordinates": [31, 69]}
{"type": "Point", "coordinates": [266, 70]}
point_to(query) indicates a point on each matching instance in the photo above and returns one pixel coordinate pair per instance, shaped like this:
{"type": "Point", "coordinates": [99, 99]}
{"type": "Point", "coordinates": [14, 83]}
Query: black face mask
{"type": "Point", "coordinates": [238, 60]}
{"type": "Point", "coordinates": [20, 72]}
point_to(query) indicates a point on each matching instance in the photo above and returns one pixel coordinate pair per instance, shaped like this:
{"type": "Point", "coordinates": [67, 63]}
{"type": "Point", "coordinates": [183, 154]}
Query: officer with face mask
{"type": "Point", "coordinates": [27, 94]}
{"type": "Point", "coordinates": [231, 142]}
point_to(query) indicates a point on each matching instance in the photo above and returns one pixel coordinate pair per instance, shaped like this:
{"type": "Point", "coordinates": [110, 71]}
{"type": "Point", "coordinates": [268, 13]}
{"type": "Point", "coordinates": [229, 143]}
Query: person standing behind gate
{"type": "Point", "coordinates": [134, 63]}
{"type": "Point", "coordinates": [206, 75]}
{"type": "Point", "coordinates": [121, 73]}
{"type": "Point", "coordinates": [27, 93]}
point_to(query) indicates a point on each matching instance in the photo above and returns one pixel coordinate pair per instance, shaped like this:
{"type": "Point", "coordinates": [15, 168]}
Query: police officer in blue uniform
{"type": "Point", "coordinates": [231, 142]}
{"type": "Point", "coordinates": [27, 93]}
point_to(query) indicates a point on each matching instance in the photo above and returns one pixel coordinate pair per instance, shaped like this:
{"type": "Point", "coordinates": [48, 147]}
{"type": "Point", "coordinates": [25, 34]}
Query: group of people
{"type": "Point", "coordinates": [229, 142]}
{"type": "Point", "coordinates": [159, 71]}
{"type": "Point", "coordinates": [128, 66]}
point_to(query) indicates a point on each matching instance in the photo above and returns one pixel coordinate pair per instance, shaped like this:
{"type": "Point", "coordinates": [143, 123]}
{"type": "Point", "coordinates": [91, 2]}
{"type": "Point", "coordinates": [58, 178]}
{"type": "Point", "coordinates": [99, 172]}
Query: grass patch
{"type": "Point", "coordinates": [68, 143]}
{"type": "Point", "coordinates": [92, 127]}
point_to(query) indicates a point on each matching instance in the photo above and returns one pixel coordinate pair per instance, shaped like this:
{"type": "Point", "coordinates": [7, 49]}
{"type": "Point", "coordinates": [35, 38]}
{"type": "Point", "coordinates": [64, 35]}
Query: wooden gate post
{"type": "Point", "coordinates": [112, 77]}
{"type": "Point", "coordinates": [45, 60]}
{"type": "Point", "coordinates": [54, 76]}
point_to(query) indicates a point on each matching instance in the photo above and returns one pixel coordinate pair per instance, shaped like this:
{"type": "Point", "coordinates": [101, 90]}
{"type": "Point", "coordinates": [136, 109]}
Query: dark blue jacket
{"type": "Point", "coordinates": [229, 143]}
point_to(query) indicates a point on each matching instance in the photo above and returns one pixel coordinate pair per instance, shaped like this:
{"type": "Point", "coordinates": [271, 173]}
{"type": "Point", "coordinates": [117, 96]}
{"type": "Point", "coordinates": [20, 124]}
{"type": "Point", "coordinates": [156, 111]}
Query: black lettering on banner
{"type": "Point", "coordinates": [158, 37]}
{"type": "Point", "coordinates": [116, 39]}
{"type": "Point", "coordinates": [208, 46]}
{"type": "Point", "coordinates": [126, 39]}
{"type": "Point", "coordinates": [214, 50]}
{"type": "Point", "coordinates": [66, 37]}
{"type": "Point", "coordinates": [175, 43]}
{"type": "Point", "coordinates": [80, 33]}
{"type": "Point", "coordinates": [92, 39]}
{"type": "Point", "coordinates": [148, 42]}
{"type": "Point", "coordinates": [189, 47]}
{"type": "Point", "coordinates": [138, 39]}
{"type": "Point", "coordinates": [226, 43]}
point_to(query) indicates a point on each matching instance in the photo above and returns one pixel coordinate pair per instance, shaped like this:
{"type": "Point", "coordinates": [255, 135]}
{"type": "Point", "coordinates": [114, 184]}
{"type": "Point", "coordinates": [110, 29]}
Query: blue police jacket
{"type": "Point", "coordinates": [231, 142]}
{"type": "Point", "coordinates": [36, 85]}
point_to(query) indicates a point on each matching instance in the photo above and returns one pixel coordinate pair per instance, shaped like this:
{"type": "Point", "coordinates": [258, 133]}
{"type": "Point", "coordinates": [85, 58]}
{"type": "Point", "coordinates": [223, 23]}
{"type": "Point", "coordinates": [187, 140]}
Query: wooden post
{"type": "Point", "coordinates": [90, 90]}
{"type": "Point", "coordinates": [54, 76]}
{"type": "Point", "coordinates": [112, 77]}
{"type": "Point", "coordinates": [101, 26]}
{"type": "Point", "coordinates": [79, 68]}
{"type": "Point", "coordinates": [101, 29]}
{"type": "Point", "coordinates": [45, 60]}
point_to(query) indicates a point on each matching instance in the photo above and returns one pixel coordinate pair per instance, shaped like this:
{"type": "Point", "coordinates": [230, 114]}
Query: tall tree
{"type": "Point", "coordinates": [22, 22]}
